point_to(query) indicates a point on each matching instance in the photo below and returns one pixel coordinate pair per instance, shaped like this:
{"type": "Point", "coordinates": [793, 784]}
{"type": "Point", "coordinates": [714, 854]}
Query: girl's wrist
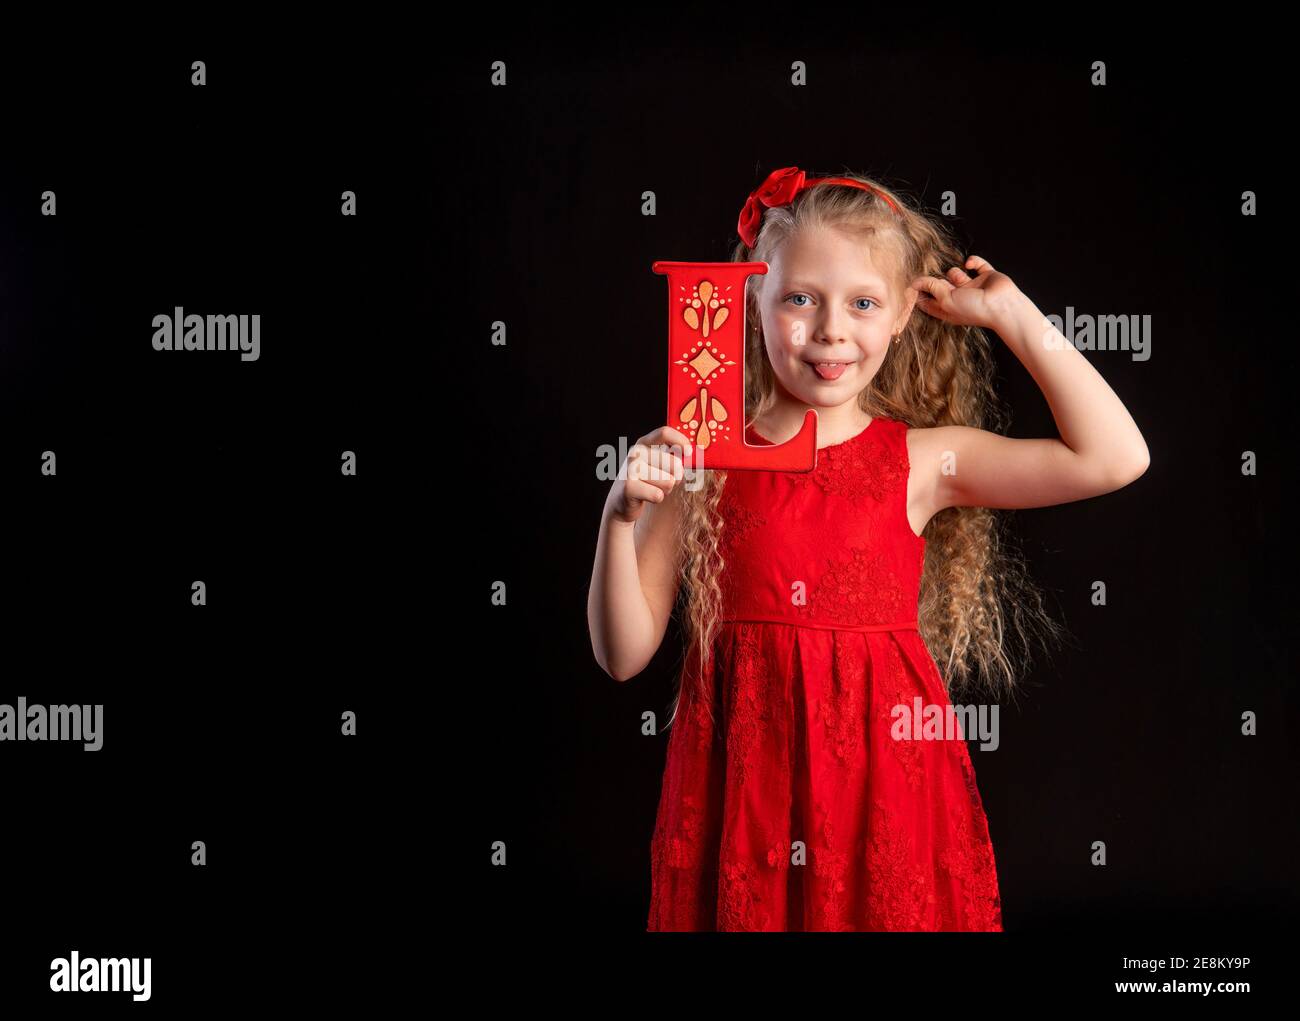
{"type": "Point", "coordinates": [613, 521]}
{"type": "Point", "coordinates": [1015, 318]}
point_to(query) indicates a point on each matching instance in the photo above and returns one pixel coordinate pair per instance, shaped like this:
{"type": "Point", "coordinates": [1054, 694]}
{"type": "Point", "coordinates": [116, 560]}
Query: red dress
{"type": "Point", "coordinates": [796, 809]}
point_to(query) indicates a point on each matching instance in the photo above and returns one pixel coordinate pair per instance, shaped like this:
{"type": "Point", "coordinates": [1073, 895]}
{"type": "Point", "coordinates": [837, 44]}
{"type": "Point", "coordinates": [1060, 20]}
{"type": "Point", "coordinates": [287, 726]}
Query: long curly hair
{"type": "Point", "coordinates": [979, 612]}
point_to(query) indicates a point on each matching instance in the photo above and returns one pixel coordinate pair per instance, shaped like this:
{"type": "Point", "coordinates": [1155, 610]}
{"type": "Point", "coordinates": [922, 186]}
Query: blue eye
{"type": "Point", "coordinates": [793, 296]}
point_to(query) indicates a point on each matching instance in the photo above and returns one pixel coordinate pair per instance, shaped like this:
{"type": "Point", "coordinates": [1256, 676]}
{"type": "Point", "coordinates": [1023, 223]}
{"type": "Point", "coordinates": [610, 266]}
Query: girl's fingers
{"type": "Point", "coordinates": [667, 435]}
{"type": "Point", "coordinates": [957, 276]}
{"type": "Point", "coordinates": [654, 463]}
{"type": "Point", "coordinates": [933, 310]}
{"type": "Point", "coordinates": [650, 481]}
{"type": "Point", "coordinates": [933, 290]}
{"type": "Point", "coordinates": [660, 450]}
{"type": "Point", "coordinates": [979, 264]}
{"type": "Point", "coordinates": [654, 476]}
{"type": "Point", "coordinates": [644, 491]}
{"type": "Point", "coordinates": [669, 459]}
{"type": "Point", "coordinates": [933, 295]}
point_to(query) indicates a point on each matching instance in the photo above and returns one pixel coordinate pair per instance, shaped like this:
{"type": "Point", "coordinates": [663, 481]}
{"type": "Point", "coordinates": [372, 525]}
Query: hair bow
{"type": "Point", "coordinates": [779, 189]}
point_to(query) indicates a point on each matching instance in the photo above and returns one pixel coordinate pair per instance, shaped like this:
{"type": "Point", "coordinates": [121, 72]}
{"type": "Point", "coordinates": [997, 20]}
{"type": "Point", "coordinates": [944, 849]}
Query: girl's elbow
{"type": "Point", "coordinates": [623, 673]}
{"type": "Point", "coordinates": [619, 671]}
{"type": "Point", "coordinates": [1141, 463]}
{"type": "Point", "coordinates": [1129, 471]}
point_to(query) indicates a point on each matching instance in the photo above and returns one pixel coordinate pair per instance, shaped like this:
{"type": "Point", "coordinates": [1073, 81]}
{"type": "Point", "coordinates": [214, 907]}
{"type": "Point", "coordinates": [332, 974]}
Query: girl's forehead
{"type": "Point", "coordinates": [833, 256]}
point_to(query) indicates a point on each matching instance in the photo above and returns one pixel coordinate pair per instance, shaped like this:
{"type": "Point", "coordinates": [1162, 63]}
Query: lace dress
{"type": "Point", "coordinates": [802, 805]}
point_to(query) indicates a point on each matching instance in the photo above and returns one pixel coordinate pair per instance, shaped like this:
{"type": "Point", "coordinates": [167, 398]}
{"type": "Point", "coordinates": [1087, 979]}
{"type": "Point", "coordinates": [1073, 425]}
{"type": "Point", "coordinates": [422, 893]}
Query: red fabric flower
{"type": "Point", "coordinates": [779, 189]}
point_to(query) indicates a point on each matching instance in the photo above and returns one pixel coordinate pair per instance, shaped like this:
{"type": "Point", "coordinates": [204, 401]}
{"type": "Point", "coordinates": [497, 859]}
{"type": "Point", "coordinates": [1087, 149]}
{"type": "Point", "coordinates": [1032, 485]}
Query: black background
{"type": "Point", "coordinates": [221, 723]}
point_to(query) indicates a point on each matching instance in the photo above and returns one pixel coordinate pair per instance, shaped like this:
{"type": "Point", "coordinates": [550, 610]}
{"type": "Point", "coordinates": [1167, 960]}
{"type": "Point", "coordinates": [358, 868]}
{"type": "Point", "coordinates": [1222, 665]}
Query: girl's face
{"type": "Point", "coordinates": [829, 308]}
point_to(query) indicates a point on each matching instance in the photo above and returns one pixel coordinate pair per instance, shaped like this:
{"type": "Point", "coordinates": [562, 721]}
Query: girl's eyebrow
{"type": "Point", "coordinates": [868, 285]}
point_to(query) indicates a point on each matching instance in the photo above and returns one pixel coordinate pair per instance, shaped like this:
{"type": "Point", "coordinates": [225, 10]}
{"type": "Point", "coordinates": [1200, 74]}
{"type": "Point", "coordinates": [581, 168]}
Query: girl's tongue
{"type": "Point", "coordinates": [830, 370]}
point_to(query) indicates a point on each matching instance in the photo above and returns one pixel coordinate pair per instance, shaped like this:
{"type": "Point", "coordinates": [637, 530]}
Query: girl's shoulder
{"type": "Point", "coordinates": [920, 444]}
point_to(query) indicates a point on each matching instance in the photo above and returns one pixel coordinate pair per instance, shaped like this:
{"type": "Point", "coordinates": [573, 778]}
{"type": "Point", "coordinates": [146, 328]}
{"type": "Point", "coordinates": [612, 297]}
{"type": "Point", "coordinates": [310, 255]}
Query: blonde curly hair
{"type": "Point", "coordinates": [979, 611]}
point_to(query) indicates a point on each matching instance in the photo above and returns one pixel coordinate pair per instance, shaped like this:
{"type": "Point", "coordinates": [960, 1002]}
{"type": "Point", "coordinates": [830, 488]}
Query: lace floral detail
{"type": "Point", "coordinates": [681, 850]}
{"type": "Point", "coordinates": [675, 903]}
{"type": "Point", "coordinates": [738, 521]}
{"type": "Point", "coordinates": [832, 867]}
{"type": "Point", "coordinates": [970, 862]}
{"type": "Point", "coordinates": [856, 469]}
{"type": "Point", "coordinates": [887, 473]}
{"type": "Point", "coordinates": [843, 701]}
{"type": "Point", "coordinates": [738, 897]}
{"type": "Point", "coordinates": [860, 589]}
{"type": "Point", "coordinates": [776, 830]}
{"type": "Point", "coordinates": [778, 855]}
{"type": "Point", "coordinates": [751, 704]}
{"type": "Point", "coordinates": [970, 859]}
{"type": "Point", "coordinates": [900, 895]}
{"type": "Point", "coordinates": [968, 777]}
{"type": "Point", "coordinates": [703, 726]}
{"type": "Point", "coordinates": [907, 750]}
{"type": "Point", "coordinates": [693, 711]}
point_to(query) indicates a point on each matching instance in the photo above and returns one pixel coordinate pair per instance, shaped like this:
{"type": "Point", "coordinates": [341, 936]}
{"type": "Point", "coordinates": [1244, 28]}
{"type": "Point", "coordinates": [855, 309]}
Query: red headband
{"type": "Point", "coordinates": [779, 189]}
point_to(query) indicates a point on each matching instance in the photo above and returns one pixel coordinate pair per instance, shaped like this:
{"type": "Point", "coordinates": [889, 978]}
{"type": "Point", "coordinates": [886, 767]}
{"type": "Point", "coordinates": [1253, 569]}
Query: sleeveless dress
{"type": "Point", "coordinates": [805, 803]}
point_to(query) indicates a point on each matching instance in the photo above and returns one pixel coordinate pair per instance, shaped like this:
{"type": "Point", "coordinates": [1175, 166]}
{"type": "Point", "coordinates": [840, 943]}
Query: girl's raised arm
{"type": "Point", "coordinates": [1099, 449]}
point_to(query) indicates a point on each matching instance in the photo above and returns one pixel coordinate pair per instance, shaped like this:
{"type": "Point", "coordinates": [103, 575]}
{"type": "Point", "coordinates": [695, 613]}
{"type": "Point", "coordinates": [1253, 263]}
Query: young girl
{"type": "Point", "coordinates": [798, 792]}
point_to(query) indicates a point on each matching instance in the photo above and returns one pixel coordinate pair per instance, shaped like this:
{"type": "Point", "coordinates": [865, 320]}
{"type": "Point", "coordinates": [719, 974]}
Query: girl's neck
{"type": "Point", "coordinates": [834, 425]}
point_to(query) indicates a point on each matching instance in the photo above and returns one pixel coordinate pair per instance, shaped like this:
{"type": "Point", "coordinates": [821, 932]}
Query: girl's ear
{"type": "Point", "coordinates": [910, 295]}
